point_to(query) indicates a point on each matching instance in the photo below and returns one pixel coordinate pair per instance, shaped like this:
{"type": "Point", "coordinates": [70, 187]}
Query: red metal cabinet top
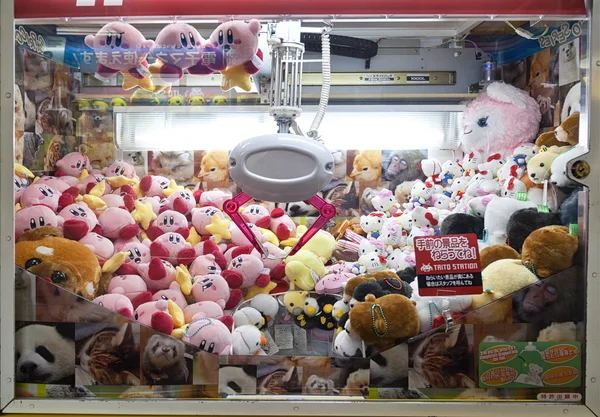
{"type": "Point", "coordinates": [31, 9]}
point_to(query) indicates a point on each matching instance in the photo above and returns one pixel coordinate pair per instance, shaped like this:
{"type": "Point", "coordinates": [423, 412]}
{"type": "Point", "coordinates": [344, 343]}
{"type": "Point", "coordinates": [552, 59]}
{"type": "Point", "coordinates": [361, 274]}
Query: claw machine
{"type": "Point", "coordinates": [299, 208]}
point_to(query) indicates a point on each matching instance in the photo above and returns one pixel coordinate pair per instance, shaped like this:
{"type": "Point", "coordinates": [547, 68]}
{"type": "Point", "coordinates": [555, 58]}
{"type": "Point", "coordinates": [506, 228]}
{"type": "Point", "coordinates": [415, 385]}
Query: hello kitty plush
{"type": "Point", "coordinates": [492, 164]}
{"type": "Point", "coordinates": [423, 217]}
{"type": "Point", "coordinates": [420, 194]}
{"type": "Point", "coordinates": [372, 223]}
{"type": "Point", "coordinates": [459, 187]}
{"type": "Point", "coordinates": [478, 205]}
{"type": "Point", "coordinates": [398, 260]}
{"type": "Point", "coordinates": [442, 202]}
{"type": "Point", "coordinates": [523, 153]}
{"type": "Point", "coordinates": [373, 262]}
{"type": "Point", "coordinates": [500, 119]}
{"type": "Point", "coordinates": [405, 220]}
{"type": "Point", "coordinates": [470, 163]}
{"type": "Point", "coordinates": [511, 187]}
{"type": "Point", "coordinates": [432, 169]}
{"type": "Point", "coordinates": [481, 187]}
{"type": "Point", "coordinates": [450, 170]}
{"type": "Point", "coordinates": [393, 235]}
{"type": "Point", "coordinates": [385, 202]}
{"type": "Point", "coordinates": [371, 245]}
{"type": "Point", "coordinates": [510, 169]}
{"type": "Point", "coordinates": [419, 231]}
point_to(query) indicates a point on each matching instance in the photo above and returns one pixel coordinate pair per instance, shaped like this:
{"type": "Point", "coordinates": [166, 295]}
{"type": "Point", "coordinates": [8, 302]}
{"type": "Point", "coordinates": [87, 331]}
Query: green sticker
{"type": "Point", "coordinates": [574, 229]}
{"type": "Point", "coordinates": [543, 209]}
{"type": "Point", "coordinates": [529, 364]}
{"type": "Point", "coordinates": [522, 196]}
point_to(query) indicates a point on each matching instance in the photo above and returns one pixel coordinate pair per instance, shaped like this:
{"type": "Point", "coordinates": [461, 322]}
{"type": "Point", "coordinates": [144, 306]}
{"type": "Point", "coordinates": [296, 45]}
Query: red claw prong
{"type": "Point", "coordinates": [231, 208]}
{"type": "Point", "coordinates": [327, 212]}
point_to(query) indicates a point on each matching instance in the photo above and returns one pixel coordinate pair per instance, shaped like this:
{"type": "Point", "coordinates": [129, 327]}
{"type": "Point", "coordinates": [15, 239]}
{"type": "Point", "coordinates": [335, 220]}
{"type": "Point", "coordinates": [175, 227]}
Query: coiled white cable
{"type": "Point", "coordinates": [325, 87]}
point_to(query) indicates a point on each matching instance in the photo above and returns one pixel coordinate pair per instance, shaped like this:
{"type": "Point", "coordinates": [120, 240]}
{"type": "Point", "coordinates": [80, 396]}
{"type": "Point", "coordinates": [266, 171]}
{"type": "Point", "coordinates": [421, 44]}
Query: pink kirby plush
{"type": "Point", "coordinates": [102, 247]}
{"type": "Point", "coordinates": [257, 214]}
{"type": "Point", "coordinates": [120, 47]}
{"type": "Point", "coordinates": [333, 283]}
{"type": "Point", "coordinates": [205, 265]}
{"type": "Point", "coordinates": [33, 217]}
{"type": "Point", "coordinates": [114, 200]}
{"type": "Point", "coordinates": [245, 271]}
{"type": "Point", "coordinates": [157, 274]}
{"type": "Point", "coordinates": [282, 225]}
{"type": "Point", "coordinates": [55, 183]}
{"type": "Point", "coordinates": [215, 198]}
{"type": "Point", "coordinates": [202, 217]}
{"type": "Point", "coordinates": [238, 238]}
{"type": "Point", "coordinates": [173, 248]}
{"type": "Point", "coordinates": [500, 119]}
{"type": "Point", "coordinates": [239, 42]}
{"type": "Point", "coordinates": [120, 168]}
{"type": "Point", "coordinates": [274, 261]}
{"type": "Point", "coordinates": [89, 182]}
{"type": "Point", "coordinates": [139, 253]}
{"type": "Point", "coordinates": [72, 164]}
{"type": "Point", "coordinates": [117, 303]}
{"type": "Point", "coordinates": [215, 288]}
{"type": "Point", "coordinates": [117, 223]}
{"type": "Point", "coordinates": [208, 247]}
{"type": "Point", "coordinates": [173, 293]}
{"type": "Point", "coordinates": [40, 194]}
{"type": "Point", "coordinates": [19, 186]}
{"type": "Point", "coordinates": [154, 185]}
{"type": "Point", "coordinates": [154, 202]}
{"type": "Point", "coordinates": [79, 220]}
{"type": "Point", "coordinates": [208, 309]}
{"type": "Point", "coordinates": [130, 286]}
{"type": "Point", "coordinates": [179, 47]}
{"type": "Point", "coordinates": [155, 314]}
{"type": "Point", "coordinates": [209, 335]}
{"type": "Point", "coordinates": [169, 221]}
{"type": "Point", "coordinates": [182, 201]}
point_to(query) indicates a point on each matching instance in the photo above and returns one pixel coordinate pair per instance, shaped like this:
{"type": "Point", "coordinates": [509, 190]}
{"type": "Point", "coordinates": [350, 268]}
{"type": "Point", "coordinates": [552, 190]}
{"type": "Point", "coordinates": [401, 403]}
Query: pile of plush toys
{"type": "Point", "coordinates": [171, 259]}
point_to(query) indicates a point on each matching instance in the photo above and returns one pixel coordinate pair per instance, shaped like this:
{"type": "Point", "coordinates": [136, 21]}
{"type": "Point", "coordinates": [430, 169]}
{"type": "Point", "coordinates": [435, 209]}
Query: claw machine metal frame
{"type": "Point", "coordinates": [468, 13]}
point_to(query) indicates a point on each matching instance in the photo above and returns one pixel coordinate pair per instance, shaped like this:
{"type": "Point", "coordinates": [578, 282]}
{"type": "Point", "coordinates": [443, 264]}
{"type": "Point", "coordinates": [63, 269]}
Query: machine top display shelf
{"type": "Point", "coordinates": [330, 9]}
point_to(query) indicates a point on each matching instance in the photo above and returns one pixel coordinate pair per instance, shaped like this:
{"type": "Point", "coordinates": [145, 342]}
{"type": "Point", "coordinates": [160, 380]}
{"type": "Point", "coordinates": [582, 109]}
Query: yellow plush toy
{"type": "Point", "coordinates": [304, 270]}
{"type": "Point", "coordinates": [321, 244]}
{"type": "Point", "coordinates": [293, 301]}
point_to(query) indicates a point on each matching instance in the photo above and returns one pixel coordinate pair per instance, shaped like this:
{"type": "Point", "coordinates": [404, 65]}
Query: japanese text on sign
{"type": "Point", "coordinates": [448, 248]}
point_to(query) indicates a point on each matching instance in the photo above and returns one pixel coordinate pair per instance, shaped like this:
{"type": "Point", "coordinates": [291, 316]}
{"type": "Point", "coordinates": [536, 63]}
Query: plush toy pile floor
{"type": "Point", "coordinates": [171, 259]}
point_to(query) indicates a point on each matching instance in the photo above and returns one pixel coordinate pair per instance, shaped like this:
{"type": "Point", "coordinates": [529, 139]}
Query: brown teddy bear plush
{"type": "Point", "coordinates": [383, 322]}
{"type": "Point", "coordinates": [351, 285]}
{"type": "Point", "coordinates": [66, 263]}
{"type": "Point", "coordinates": [549, 250]}
{"type": "Point", "coordinates": [496, 252]}
{"type": "Point", "coordinates": [548, 139]}
{"type": "Point", "coordinates": [568, 131]}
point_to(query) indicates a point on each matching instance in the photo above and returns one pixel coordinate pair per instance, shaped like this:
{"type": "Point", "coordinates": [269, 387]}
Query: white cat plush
{"type": "Point", "coordinates": [492, 164]}
{"type": "Point", "coordinates": [459, 187]}
{"type": "Point", "coordinates": [423, 217]}
{"type": "Point", "coordinates": [372, 223]}
{"type": "Point", "coordinates": [393, 235]}
{"type": "Point", "coordinates": [400, 259]}
{"type": "Point", "coordinates": [450, 171]}
{"type": "Point", "coordinates": [385, 202]}
{"type": "Point", "coordinates": [420, 194]}
{"type": "Point", "coordinates": [373, 262]}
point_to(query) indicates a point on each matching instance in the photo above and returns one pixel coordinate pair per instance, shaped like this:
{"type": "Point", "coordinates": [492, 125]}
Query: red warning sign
{"type": "Point", "coordinates": [448, 265]}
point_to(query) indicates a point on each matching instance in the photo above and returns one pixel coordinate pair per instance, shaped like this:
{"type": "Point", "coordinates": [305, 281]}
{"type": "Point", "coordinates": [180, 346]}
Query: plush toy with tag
{"type": "Point", "coordinates": [239, 56]}
{"type": "Point", "coordinates": [113, 46]}
{"type": "Point", "coordinates": [385, 321]}
{"type": "Point", "coordinates": [304, 269]}
{"type": "Point", "coordinates": [478, 205]}
{"type": "Point", "coordinates": [209, 335]}
{"type": "Point", "coordinates": [500, 119]}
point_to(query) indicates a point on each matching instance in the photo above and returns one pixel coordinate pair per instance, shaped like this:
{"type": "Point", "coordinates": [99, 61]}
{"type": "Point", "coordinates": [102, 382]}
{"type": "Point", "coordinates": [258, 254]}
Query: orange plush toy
{"type": "Point", "coordinates": [66, 263]}
{"type": "Point", "coordinates": [549, 250]}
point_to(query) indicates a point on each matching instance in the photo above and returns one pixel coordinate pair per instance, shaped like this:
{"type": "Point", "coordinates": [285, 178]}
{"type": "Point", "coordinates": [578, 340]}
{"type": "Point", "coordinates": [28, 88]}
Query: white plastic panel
{"type": "Point", "coordinates": [344, 127]}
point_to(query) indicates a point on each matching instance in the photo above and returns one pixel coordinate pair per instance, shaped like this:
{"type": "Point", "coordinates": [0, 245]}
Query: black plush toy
{"type": "Point", "coordinates": [524, 221]}
{"type": "Point", "coordinates": [569, 208]}
{"type": "Point", "coordinates": [382, 287]}
{"type": "Point", "coordinates": [325, 320]}
{"type": "Point", "coordinates": [408, 274]}
{"type": "Point", "coordinates": [461, 223]}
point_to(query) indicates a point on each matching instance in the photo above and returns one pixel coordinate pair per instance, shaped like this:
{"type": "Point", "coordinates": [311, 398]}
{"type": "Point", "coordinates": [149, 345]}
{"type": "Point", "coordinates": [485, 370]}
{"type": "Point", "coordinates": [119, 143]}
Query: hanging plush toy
{"type": "Point", "coordinates": [119, 47]}
{"type": "Point", "coordinates": [178, 48]}
{"type": "Point", "coordinates": [238, 56]}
